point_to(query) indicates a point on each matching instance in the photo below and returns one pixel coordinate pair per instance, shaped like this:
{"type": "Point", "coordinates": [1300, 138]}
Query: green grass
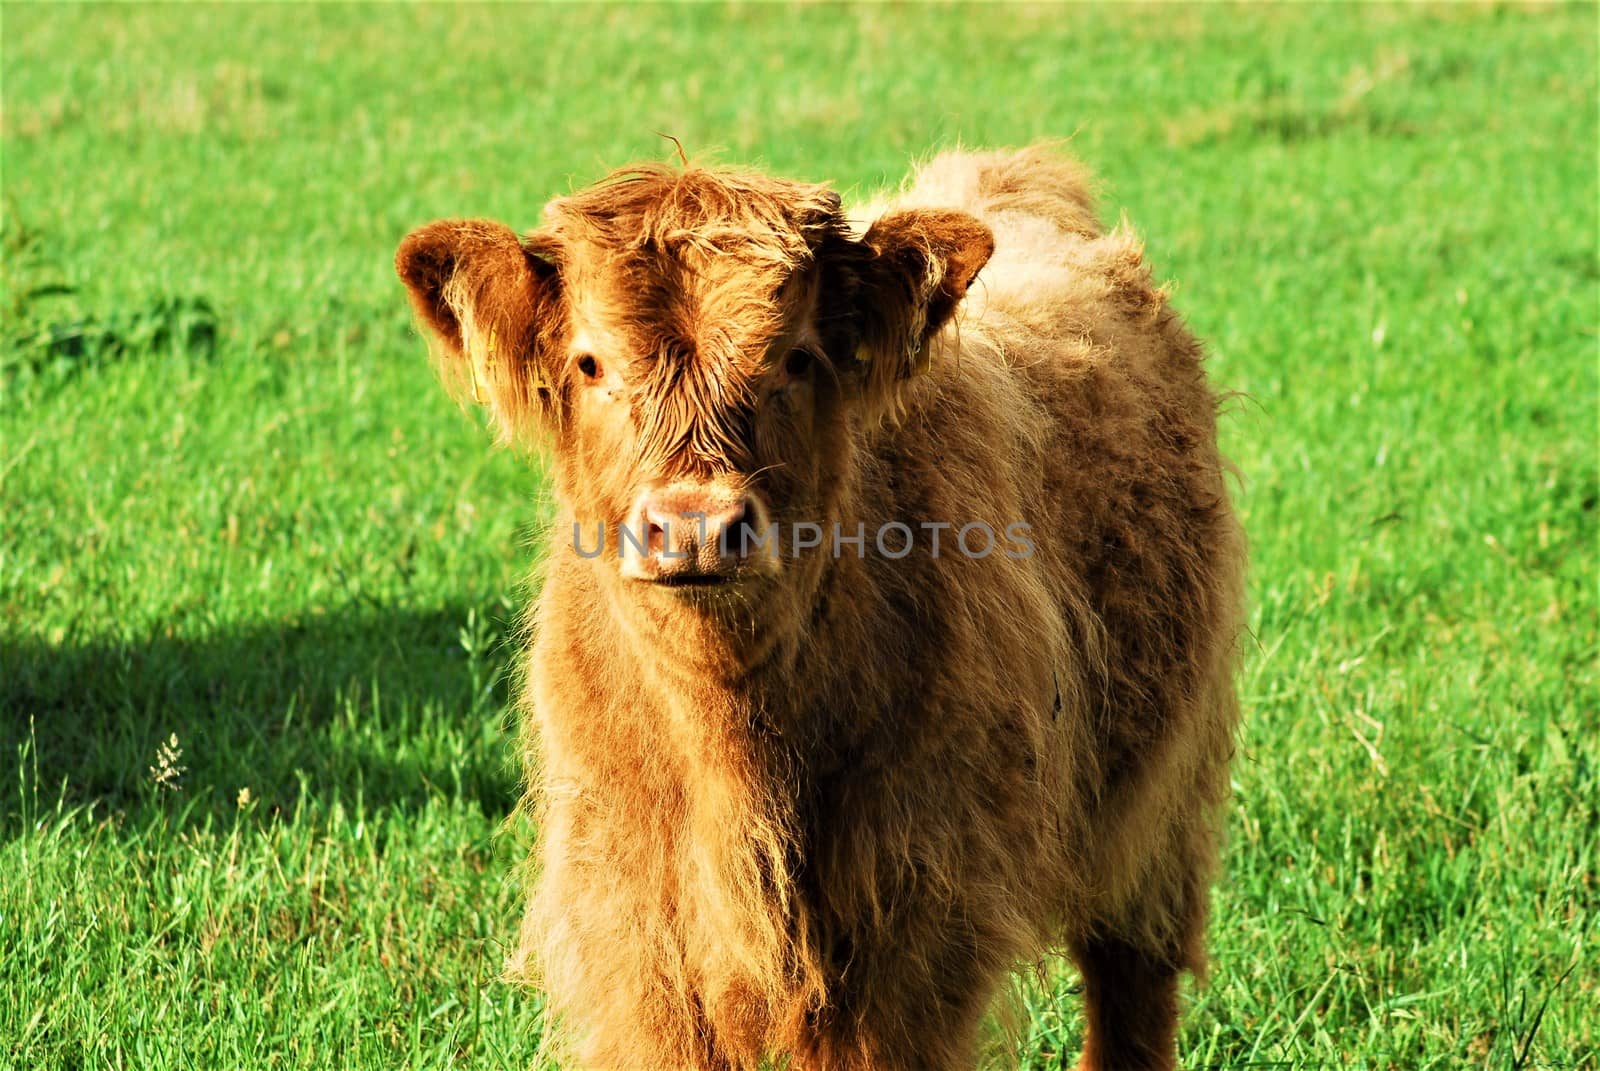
{"type": "Point", "coordinates": [234, 507]}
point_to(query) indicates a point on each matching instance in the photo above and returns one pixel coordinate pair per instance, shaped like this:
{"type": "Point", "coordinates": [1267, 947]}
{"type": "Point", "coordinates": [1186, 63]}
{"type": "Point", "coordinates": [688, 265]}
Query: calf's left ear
{"type": "Point", "coordinates": [921, 264]}
{"type": "Point", "coordinates": [491, 303]}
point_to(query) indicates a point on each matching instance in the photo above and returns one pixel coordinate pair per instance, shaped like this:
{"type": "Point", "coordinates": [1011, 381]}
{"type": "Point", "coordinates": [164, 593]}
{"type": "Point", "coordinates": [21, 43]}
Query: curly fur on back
{"type": "Point", "coordinates": [827, 826]}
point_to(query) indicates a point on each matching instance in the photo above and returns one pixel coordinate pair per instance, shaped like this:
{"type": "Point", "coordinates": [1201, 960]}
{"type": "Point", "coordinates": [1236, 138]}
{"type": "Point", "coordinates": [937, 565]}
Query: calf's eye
{"type": "Point", "coordinates": [589, 367]}
{"type": "Point", "coordinates": [798, 363]}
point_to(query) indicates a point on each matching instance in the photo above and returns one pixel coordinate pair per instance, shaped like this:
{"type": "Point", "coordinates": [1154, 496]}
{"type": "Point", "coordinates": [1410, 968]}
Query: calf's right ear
{"type": "Point", "coordinates": [491, 304]}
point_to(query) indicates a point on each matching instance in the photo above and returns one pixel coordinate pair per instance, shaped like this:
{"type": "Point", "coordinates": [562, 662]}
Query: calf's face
{"type": "Point", "coordinates": [693, 348]}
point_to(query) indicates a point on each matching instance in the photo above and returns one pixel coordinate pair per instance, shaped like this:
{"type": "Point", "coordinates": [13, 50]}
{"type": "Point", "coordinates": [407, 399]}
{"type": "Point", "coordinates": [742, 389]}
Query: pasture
{"type": "Point", "coordinates": [259, 577]}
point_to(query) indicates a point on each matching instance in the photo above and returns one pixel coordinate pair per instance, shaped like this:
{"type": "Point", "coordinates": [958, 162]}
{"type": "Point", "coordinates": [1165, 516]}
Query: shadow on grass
{"type": "Point", "coordinates": [388, 708]}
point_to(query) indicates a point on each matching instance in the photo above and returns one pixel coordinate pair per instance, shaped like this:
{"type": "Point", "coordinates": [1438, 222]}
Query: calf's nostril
{"type": "Point", "coordinates": [737, 530]}
{"type": "Point", "coordinates": [733, 532]}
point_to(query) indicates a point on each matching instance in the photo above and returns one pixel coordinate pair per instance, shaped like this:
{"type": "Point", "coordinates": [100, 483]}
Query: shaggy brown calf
{"type": "Point", "coordinates": [813, 771]}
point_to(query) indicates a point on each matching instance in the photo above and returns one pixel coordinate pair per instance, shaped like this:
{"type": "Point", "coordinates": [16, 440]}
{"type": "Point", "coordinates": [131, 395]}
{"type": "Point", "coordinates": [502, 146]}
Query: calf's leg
{"type": "Point", "coordinates": [1131, 1002]}
{"type": "Point", "coordinates": [1130, 982]}
{"type": "Point", "coordinates": [911, 999]}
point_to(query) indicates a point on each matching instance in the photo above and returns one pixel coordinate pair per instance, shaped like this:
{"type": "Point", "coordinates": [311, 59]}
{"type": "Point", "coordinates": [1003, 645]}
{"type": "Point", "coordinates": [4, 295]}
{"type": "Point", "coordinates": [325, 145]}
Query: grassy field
{"type": "Point", "coordinates": [257, 573]}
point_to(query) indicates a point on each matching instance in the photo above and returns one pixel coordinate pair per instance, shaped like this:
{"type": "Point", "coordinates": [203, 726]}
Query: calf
{"type": "Point", "coordinates": [889, 616]}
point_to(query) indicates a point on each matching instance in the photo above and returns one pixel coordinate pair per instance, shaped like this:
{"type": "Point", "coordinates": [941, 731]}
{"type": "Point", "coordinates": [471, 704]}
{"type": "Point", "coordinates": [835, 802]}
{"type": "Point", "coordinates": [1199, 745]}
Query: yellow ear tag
{"type": "Point", "coordinates": [478, 394]}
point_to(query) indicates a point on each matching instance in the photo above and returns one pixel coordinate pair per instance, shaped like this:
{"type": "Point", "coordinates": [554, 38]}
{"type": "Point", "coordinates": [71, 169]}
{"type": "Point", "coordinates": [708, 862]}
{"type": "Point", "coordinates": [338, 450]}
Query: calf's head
{"type": "Point", "coordinates": [693, 348]}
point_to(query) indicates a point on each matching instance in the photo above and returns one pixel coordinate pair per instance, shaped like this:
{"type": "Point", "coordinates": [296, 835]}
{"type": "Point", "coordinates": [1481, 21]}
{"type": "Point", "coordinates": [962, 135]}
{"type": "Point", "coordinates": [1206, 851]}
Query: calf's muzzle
{"type": "Point", "coordinates": [694, 534]}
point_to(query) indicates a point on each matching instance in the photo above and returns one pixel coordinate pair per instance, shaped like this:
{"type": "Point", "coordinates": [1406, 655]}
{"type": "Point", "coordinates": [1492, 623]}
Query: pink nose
{"type": "Point", "coordinates": [691, 533]}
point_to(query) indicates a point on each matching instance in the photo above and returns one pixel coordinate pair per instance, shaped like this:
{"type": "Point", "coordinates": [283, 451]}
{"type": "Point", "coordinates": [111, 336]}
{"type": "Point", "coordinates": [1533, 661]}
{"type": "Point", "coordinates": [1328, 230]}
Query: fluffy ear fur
{"type": "Point", "coordinates": [491, 303]}
{"type": "Point", "coordinates": [922, 262]}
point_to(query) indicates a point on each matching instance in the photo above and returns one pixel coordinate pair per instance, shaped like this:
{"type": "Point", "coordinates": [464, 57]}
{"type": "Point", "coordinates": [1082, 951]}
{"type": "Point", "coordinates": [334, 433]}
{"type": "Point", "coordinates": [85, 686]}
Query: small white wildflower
{"type": "Point", "coordinates": [167, 771]}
